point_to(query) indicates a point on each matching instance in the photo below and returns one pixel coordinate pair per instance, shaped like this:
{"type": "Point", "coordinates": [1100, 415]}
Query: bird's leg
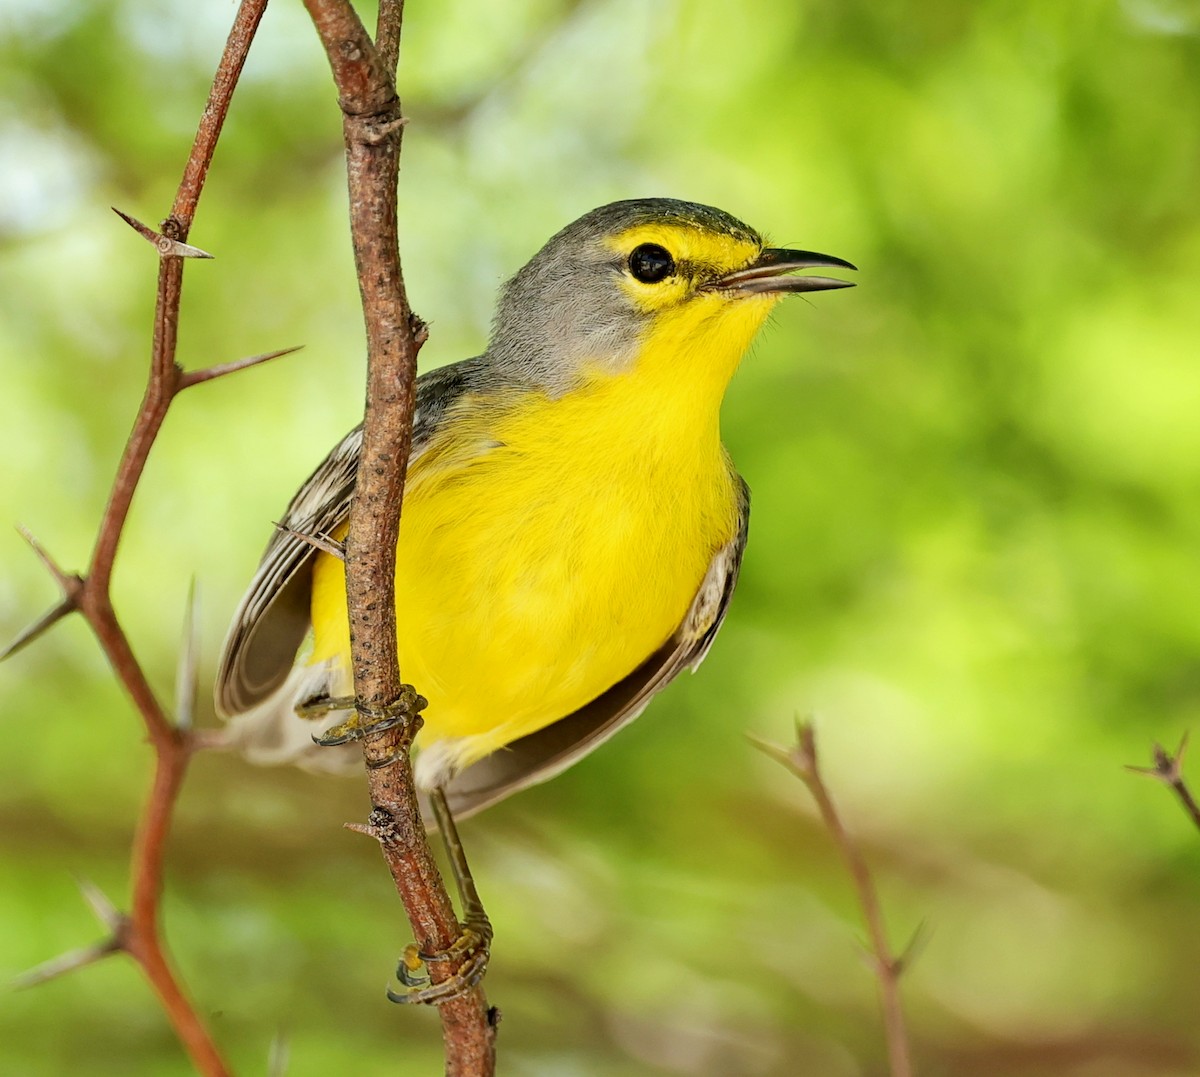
{"type": "Point", "coordinates": [365, 720]}
{"type": "Point", "coordinates": [477, 928]}
{"type": "Point", "coordinates": [473, 945]}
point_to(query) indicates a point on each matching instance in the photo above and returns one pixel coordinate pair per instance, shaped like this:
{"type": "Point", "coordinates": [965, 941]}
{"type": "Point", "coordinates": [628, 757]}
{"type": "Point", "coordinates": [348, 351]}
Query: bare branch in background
{"type": "Point", "coordinates": [387, 716]}
{"type": "Point", "coordinates": [801, 760]}
{"type": "Point", "coordinates": [1168, 769]}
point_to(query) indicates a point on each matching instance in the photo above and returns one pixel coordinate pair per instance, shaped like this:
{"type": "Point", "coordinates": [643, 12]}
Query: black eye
{"type": "Point", "coordinates": [650, 263]}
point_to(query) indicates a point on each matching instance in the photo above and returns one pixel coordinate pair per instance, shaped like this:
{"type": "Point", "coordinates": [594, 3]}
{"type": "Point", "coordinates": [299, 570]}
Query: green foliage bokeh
{"type": "Point", "coordinates": [973, 554]}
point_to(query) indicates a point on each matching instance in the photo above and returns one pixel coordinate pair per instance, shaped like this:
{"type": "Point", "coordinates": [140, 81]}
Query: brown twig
{"type": "Point", "coordinates": [138, 933]}
{"type": "Point", "coordinates": [1168, 769]}
{"type": "Point", "coordinates": [801, 760]}
{"type": "Point", "coordinates": [372, 127]}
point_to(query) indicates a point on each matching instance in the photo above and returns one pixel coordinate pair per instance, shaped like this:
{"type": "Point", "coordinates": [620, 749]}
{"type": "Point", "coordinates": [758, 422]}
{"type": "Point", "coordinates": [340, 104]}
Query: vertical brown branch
{"type": "Point", "coordinates": [372, 126]}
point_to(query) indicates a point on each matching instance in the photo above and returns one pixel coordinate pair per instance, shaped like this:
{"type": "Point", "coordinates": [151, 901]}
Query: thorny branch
{"type": "Point", "coordinates": [801, 760]}
{"type": "Point", "coordinates": [373, 125]}
{"type": "Point", "coordinates": [137, 933]}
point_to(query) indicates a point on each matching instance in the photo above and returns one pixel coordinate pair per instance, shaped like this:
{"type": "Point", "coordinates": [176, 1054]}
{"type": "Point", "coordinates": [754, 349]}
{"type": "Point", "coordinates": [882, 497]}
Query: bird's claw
{"type": "Point", "coordinates": [365, 721]}
{"type": "Point", "coordinates": [473, 947]}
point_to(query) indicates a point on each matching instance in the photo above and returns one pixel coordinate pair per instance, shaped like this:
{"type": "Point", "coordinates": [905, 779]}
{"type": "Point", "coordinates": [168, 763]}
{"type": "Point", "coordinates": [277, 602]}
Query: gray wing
{"type": "Point", "coordinates": [273, 618]}
{"type": "Point", "coordinates": [543, 754]}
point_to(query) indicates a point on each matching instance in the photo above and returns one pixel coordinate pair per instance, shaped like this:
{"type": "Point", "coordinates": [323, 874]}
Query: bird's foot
{"type": "Point", "coordinates": [472, 948]}
{"type": "Point", "coordinates": [365, 720]}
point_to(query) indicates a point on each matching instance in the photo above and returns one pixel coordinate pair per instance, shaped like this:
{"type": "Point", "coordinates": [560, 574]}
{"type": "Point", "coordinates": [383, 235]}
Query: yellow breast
{"type": "Point", "coordinates": [543, 555]}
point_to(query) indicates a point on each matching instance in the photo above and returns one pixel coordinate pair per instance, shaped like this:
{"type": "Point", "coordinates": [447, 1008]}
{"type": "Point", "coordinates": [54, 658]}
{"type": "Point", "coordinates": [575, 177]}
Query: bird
{"type": "Point", "coordinates": [572, 527]}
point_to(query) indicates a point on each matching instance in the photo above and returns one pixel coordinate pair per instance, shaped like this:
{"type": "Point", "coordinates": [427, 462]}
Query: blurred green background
{"type": "Point", "coordinates": [974, 552]}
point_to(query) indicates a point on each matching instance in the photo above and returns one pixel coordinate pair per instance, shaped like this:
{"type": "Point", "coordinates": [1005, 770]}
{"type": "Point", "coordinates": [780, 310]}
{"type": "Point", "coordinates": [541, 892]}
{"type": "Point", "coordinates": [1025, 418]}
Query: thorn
{"type": "Point", "coordinates": [806, 741]}
{"type": "Point", "coordinates": [801, 760]}
{"type": "Point", "coordinates": [768, 747]}
{"type": "Point", "coordinates": [1181, 751]}
{"type": "Point", "coordinates": [320, 542]}
{"type": "Point", "coordinates": [41, 625]}
{"type": "Point", "coordinates": [165, 246]}
{"type": "Point", "coordinates": [1167, 768]}
{"type": "Point", "coordinates": [1145, 772]}
{"type": "Point", "coordinates": [195, 377]}
{"type": "Point", "coordinates": [912, 949]}
{"type": "Point", "coordinates": [885, 964]}
{"type": "Point", "coordinates": [363, 828]}
{"type": "Point", "coordinates": [64, 963]}
{"type": "Point", "coordinates": [106, 912]}
{"type": "Point", "coordinates": [278, 1055]}
{"type": "Point", "coordinates": [69, 582]}
{"type": "Point", "coordinates": [375, 134]}
{"type": "Point", "coordinates": [187, 673]}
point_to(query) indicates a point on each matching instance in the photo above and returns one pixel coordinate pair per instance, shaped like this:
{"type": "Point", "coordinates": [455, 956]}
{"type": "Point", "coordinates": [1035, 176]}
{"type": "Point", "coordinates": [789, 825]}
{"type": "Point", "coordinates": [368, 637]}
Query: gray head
{"type": "Point", "coordinates": [587, 298]}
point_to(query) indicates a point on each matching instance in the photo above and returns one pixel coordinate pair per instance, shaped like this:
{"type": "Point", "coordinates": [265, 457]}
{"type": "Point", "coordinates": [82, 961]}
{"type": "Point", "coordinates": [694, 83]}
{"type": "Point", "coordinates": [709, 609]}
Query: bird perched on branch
{"type": "Point", "coordinates": [572, 525]}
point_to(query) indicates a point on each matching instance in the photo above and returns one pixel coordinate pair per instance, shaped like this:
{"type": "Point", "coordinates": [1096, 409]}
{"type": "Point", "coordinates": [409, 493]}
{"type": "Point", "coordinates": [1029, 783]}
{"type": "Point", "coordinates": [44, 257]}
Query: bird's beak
{"type": "Point", "coordinates": [769, 273]}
